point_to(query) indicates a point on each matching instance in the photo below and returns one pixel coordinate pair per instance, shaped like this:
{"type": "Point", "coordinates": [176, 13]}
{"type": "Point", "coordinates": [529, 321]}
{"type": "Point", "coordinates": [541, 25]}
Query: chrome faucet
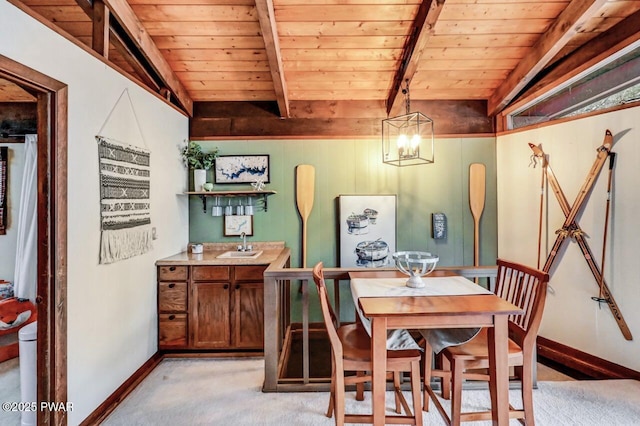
{"type": "Point", "coordinates": [244, 242]}
{"type": "Point", "coordinates": [244, 246]}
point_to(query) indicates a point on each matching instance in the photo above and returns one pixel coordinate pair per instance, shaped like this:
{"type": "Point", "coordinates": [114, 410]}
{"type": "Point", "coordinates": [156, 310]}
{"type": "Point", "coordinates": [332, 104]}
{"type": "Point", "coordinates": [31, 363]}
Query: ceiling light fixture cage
{"type": "Point", "coordinates": [407, 140]}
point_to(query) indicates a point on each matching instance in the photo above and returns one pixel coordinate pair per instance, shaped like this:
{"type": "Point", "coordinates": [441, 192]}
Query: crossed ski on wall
{"type": "Point", "coordinates": [570, 227]}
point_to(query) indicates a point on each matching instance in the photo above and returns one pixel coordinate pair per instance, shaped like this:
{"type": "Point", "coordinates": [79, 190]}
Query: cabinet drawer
{"type": "Point", "coordinates": [249, 273]}
{"type": "Point", "coordinates": [211, 273]}
{"type": "Point", "coordinates": [168, 273]}
{"type": "Point", "coordinates": [172, 330]}
{"type": "Point", "coordinates": [172, 297]}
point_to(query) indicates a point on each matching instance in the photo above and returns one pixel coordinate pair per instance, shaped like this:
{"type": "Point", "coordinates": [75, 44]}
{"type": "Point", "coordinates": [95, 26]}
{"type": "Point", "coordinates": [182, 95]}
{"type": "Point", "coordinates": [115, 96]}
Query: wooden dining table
{"type": "Point", "coordinates": [434, 312]}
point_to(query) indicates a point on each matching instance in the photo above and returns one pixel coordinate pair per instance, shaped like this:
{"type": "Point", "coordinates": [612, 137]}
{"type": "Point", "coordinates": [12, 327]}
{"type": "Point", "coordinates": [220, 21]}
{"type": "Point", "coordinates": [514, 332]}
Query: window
{"type": "Point", "coordinates": [613, 82]}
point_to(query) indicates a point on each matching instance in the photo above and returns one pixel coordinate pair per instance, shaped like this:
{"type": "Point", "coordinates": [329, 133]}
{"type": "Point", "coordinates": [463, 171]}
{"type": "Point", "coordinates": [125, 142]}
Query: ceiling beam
{"type": "Point", "coordinates": [123, 13]}
{"type": "Point", "coordinates": [266, 16]}
{"type": "Point", "coordinates": [100, 36]}
{"type": "Point", "coordinates": [101, 40]}
{"type": "Point", "coordinates": [421, 31]}
{"type": "Point", "coordinates": [327, 119]}
{"type": "Point", "coordinates": [130, 58]}
{"type": "Point", "coordinates": [550, 43]}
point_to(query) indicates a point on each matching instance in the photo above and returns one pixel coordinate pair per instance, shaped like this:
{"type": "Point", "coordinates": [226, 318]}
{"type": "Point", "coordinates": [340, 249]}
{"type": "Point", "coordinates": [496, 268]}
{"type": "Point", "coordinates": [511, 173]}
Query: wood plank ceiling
{"type": "Point", "coordinates": [10, 92]}
{"type": "Point", "coordinates": [336, 58]}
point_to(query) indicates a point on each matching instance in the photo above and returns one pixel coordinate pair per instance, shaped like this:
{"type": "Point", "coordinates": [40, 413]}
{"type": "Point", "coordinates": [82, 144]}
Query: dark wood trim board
{"type": "Point", "coordinates": [587, 364]}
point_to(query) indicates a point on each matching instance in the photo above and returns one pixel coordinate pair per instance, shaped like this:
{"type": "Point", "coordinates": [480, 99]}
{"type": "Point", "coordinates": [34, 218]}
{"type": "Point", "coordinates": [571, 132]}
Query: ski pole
{"type": "Point", "coordinates": [600, 298]}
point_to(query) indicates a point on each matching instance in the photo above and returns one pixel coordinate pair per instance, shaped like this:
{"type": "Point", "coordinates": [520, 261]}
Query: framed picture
{"type": "Point", "coordinates": [241, 169]}
{"type": "Point", "coordinates": [235, 225]}
{"type": "Point", "coordinates": [367, 230]}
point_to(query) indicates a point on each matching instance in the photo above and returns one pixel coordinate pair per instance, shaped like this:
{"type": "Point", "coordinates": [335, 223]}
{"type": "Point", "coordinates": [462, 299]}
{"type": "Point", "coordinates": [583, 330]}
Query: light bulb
{"type": "Point", "coordinates": [415, 141]}
{"type": "Point", "coordinates": [402, 141]}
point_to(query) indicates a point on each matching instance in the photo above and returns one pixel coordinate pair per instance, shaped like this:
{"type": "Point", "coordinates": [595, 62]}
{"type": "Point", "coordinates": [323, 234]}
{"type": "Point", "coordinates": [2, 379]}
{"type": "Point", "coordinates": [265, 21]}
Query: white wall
{"type": "Point", "coordinates": [571, 317]}
{"type": "Point", "coordinates": [111, 308]}
{"type": "Point", "coordinates": [14, 180]}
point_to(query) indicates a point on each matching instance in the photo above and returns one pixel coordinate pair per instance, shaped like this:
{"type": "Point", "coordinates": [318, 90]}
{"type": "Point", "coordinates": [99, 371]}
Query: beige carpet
{"type": "Point", "coordinates": [10, 390]}
{"type": "Point", "coordinates": [227, 392]}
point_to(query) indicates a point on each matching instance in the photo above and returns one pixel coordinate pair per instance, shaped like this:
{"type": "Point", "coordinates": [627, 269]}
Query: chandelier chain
{"type": "Point", "coordinates": [407, 99]}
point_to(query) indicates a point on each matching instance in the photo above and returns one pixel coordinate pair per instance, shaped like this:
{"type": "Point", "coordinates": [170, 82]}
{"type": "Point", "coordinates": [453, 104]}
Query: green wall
{"type": "Point", "coordinates": [355, 167]}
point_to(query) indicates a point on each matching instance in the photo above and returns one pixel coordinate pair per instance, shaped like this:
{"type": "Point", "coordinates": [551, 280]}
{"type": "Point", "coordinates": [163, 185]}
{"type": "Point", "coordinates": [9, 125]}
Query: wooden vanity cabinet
{"type": "Point", "coordinates": [214, 307]}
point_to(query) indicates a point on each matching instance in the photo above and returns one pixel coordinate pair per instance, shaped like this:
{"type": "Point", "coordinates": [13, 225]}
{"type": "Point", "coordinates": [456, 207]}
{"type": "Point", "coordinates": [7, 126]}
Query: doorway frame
{"type": "Point", "coordinates": [51, 299]}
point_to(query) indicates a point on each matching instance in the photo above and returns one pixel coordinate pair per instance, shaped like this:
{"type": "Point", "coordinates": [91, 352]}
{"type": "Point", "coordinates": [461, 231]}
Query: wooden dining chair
{"type": "Point", "coordinates": [351, 352]}
{"type": "Point", "coordinates": [526, 288]}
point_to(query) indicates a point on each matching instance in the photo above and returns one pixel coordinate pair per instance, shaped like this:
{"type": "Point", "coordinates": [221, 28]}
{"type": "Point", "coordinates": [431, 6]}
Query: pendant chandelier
{"type": "Point", "coordinates": [407, 140]}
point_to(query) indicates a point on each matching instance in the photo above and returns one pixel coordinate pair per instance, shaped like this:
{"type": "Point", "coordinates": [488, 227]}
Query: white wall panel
{"type": "Point", "coordinates": [112, 326]}
{"type": "Point", "coordinates": [570, 316]}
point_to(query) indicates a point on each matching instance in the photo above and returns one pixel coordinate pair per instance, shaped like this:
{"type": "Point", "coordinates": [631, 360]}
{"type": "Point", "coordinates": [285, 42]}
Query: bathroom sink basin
{"type": "Point", "coordinates": [240, 254]}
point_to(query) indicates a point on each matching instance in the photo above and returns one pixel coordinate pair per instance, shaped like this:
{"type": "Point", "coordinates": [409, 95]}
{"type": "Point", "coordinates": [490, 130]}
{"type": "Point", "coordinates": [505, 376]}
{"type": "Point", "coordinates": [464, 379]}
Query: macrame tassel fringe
{"type": "Point", "coordinates": [122, 244]}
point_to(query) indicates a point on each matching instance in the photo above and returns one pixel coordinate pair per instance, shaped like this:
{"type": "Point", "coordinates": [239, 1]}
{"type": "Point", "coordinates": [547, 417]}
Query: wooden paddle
{"type": "Point", "coordinates": [305, 183]}
{"type": "Point", "coordinates": [476, 202]}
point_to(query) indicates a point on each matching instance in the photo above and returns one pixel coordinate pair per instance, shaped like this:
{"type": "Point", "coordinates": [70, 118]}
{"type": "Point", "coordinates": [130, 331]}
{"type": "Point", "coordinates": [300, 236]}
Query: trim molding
{"type": "Point", "coordinates": [51, 298]}
{"type": "Point", "coordinates": [110, 404]}
{"type": "Point", "coordinates": [565, 119]}
{"type": "Point", "coordinates": [583, 362]}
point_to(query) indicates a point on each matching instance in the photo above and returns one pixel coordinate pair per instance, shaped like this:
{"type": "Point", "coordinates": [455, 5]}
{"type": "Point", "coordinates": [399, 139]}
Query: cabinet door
{"type": "Point", "coordinates": [210, 313]}
{"type": "Point", "coordinates": [248, 316]}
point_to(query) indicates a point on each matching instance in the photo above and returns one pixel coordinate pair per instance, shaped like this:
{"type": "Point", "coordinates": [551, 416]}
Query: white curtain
{"type": "Point", "coordinates": [25, 281]}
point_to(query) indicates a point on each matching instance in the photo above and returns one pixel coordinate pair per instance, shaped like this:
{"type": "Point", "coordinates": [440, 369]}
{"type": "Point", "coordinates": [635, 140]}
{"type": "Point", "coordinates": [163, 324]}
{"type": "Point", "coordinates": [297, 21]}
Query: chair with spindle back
{"type": "Point", "coordinates": [351, 351]}
{"type": "Point", "coordinates": [526, 288]}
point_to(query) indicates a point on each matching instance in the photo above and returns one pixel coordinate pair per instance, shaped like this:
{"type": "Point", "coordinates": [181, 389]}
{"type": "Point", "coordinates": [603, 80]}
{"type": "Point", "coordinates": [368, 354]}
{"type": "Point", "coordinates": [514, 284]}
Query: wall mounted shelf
{"type": "Point", "coordinates": [245, 194]}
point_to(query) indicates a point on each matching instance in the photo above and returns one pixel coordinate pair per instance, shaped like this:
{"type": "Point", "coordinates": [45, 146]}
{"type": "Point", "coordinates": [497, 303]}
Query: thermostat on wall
{"type": "Point", "coordinates": [438, 226]}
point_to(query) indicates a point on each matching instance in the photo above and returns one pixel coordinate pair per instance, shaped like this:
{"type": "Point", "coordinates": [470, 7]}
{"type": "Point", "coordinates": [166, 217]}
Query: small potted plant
{"type": "Point", "coordinates": [198, 161]}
